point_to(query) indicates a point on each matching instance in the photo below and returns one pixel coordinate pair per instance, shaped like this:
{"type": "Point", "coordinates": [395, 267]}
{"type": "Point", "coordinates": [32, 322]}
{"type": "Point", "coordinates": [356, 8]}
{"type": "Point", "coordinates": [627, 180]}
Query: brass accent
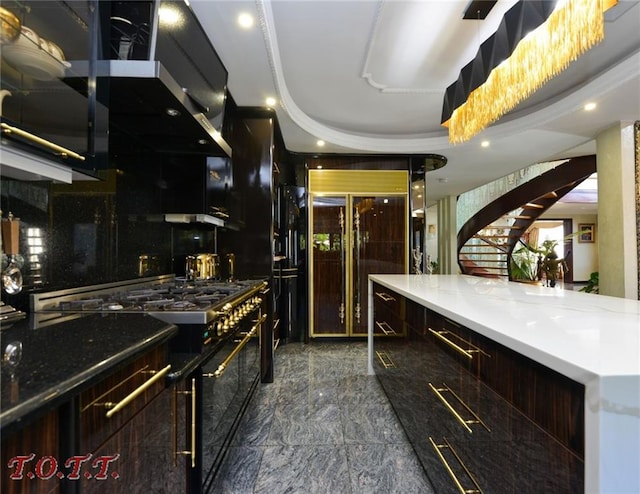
{"type": "Point", "coordinates": [356, 267]}
{"type": "Point", "coordinates": [369, 182]}
{"type": "Point", "coordinates": [341, 309]}
{"type": "Point", "coordinates": [64, 152]}
{"type": "Point", "coordinates": [471, 348]}
{"type": "Point", "coordinates": [385, 360]}
{"type": "Point", "coordinates": [437, 448]}
{"type": "Point", "coordinates": [96, 402]}
{"type": "Point", "coordinates": [223, 366]}
{"type": "Point", "coordinates": [192, 451]}
{"type": "Point", "coordinates": [384, 324]}
{"type": "Point", "coordinates": [439, 335]}
{"type": "Point", "coordinates": [385, 296]}
{"type": "Point", "coordinates": [465, 423]}
{"type": "Point", "coordinates": [116, 407]}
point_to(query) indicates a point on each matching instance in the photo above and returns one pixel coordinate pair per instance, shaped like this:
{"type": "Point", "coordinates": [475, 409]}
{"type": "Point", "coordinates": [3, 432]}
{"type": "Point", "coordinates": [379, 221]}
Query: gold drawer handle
{"type": "Point", "coordinates": [115, 408]}
{"type": "Point", "coordinates": [385, 328]}
{"type": "Point", "coordinates": [471, 348]}
{"type": "Point", "coordinates": [437, 448]}
{"type": "Point", "coordinates": [385, 296]}
{"type": "Point", "coordinates": [192, 452]}
{"type": "Point", "coordinates": [465, 423]}
{"type": "Point", "coordinates": [457, 348]}
{"type": "Point", "coordinates": [385, 360]}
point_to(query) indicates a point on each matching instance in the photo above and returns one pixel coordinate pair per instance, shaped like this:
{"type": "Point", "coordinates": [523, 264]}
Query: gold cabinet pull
{"type": "Point", "coordinates": [457, 348]}
{"type": "Point", "coordinates": [465, 423]}
{"type": "Point", "coordinates": [136, 392]}
{"type": "Point", "coordinates": [471, 348]}
{"type": "Point", "coordinates": [191, 452]}
{"type": "Point", "coordinates": [385, 296]}
{"type": "Point", "coordinates": [385, 328]}
{"type": "Point", "coordinates": [223, 366]}
{"type": "Point", "coordinates": [64, 152]}
{"type": "Point", "coordinates": [447, 445]}
{"type": "Point", "coordinates": [385, 360]}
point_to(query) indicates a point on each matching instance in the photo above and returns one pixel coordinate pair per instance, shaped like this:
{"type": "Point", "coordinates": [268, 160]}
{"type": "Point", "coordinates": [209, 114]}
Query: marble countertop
{"type": "Point", "coordinates": [581, 335]}
{"type": "Point", "coordinates": [60, 360]}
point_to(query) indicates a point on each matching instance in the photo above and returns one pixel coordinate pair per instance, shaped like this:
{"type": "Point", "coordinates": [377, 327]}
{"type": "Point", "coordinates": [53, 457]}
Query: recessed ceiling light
{"type": "Point", "coordinates": [245, 20]}
{"type": "Point", "coordinates": [485, 144]}
{"type": "Point", "coordinates": [270, 102]}
{"type": "Point", "coordinates": [203, 141]}
{"type": "Point", "coordinates": [320, 142]}
{"type": "Point", "coordinates": [590, 106]}
{"type": "Point", "coordinates": [172, 112]}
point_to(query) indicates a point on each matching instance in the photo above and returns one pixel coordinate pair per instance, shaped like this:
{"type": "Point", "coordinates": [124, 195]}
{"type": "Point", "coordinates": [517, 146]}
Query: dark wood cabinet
{"type": "Point", "coordinates": [143, 445]}
{"type": "Point", "coordinates": [41, 439]}
{"type": "Point", "coordinates": [479, 415]}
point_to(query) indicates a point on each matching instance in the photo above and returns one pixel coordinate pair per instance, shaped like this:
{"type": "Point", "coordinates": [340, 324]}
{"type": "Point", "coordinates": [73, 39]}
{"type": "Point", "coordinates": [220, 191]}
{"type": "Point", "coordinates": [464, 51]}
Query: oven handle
{"type": "Point", "coordinates": [191, 452]}
{"type": "Point", "coordinates": [223, 366]}
{"type": "Point", "coordinates": [157, 375]}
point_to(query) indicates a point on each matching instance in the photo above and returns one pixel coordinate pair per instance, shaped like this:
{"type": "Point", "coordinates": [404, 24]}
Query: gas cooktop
{"type": "Point", "coordinates": [174, 299]}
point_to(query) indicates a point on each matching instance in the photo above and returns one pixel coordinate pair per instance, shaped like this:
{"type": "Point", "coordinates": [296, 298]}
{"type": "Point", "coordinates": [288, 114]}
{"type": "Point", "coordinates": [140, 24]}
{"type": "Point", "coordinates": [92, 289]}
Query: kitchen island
{"type": "Point", "coordinates": [593, 340]}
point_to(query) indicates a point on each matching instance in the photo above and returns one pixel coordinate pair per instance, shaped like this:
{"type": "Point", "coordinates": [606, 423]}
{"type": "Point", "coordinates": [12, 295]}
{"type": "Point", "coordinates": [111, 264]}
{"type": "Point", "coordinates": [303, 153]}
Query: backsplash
{"type": "Point", "coordinates": [93, 232]}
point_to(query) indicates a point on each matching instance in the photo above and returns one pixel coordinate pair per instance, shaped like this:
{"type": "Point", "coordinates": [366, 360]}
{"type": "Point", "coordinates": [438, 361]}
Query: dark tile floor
{"type": "Point", "coordinates": [323, 426]}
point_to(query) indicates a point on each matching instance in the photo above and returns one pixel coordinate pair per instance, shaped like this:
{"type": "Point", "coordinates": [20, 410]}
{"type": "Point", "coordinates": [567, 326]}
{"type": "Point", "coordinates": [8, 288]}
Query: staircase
{"type": "Point", "coordinates": [487, 239]}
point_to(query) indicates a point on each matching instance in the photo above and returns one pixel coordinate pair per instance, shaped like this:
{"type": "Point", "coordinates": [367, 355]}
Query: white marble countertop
{"type": "Point", "coordinates": [592, 339]}
{"type": "Point", "coordinates": [579, 335]}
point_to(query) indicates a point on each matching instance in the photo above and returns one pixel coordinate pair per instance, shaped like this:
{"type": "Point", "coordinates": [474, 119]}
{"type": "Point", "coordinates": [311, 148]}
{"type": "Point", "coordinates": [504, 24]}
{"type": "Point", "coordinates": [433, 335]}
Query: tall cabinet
{"type": "Point", "coordinates": [358, 226]}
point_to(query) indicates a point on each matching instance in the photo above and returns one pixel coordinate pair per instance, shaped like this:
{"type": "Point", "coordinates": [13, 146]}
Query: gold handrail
{"type": "Point", "coordinates": [452, 474]}
{"type": "Point", "coordinates": [116, 407]}
{"type": "Point", "coordinates": [8, 129]}
{"type": "Point", "coordinates": [384, 324]}
{"type": "Point", "coordinates": [478, 420]}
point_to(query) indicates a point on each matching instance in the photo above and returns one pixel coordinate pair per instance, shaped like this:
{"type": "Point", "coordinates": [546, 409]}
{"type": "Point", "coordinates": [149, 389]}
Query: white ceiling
{"type": "Point", "coordinates": [369, 76]}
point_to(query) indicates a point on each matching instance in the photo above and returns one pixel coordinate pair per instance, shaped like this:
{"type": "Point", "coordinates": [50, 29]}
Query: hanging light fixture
{"type": "Point", "coordinates": [535, 41]}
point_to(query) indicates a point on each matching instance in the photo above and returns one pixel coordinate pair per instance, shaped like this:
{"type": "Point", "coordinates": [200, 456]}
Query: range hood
{"type": "Point", "coordinates": [146, 104]}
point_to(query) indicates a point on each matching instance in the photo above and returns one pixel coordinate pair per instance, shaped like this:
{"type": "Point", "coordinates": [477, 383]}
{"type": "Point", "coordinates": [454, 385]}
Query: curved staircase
{"type": "Point", "coordinates": [487, 239]}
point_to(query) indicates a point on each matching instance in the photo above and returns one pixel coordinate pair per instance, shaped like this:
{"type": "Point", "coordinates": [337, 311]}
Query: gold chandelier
{"type": "Point", "coordinates": [571, 29]}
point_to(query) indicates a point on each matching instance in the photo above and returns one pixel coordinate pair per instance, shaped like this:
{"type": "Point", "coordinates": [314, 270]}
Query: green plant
{"type": "Point", "coordinates": [523, 264]}
{"type": "Point", "coordinates": [593, 285]}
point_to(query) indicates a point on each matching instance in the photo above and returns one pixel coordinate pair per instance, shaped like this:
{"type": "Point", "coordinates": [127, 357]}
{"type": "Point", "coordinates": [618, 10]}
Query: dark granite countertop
{"type": "Point", "coordinates": [61, 360]}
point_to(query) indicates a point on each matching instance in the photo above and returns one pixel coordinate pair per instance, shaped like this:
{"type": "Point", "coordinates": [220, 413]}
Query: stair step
{"type": "Point", "coordinates": [478, 235]}
{"type": "Point", "coordinates": [534, 205]}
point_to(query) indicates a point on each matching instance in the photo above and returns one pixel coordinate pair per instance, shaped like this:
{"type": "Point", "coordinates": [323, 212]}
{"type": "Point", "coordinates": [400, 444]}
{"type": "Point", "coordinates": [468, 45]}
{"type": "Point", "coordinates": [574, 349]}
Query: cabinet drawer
{"type": "Point", "coordinates": [500, 467]}
{"type": "Point", "coordinates": [99, 416]}
{"type": "Point", "coordinates": [383, 297]}
{"type": "Point", "coordinates": [387, 322]}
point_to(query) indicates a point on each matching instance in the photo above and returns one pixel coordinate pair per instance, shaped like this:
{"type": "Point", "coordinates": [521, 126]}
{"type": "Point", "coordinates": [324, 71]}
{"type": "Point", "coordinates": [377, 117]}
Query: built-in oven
{"type": "Point", "coordinates": [227, 384]}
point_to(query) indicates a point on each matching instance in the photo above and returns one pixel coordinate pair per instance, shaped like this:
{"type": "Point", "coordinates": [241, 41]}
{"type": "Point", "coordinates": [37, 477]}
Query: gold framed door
{"type": "Point", "coordinates": [353, 234]}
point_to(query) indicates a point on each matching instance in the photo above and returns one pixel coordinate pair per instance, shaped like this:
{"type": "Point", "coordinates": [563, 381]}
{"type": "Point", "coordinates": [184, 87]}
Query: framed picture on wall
{"type": "Point", "coordinates": [587, 232]}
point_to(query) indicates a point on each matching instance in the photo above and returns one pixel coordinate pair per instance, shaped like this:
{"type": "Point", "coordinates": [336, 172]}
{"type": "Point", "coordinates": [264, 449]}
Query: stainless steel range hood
{"type": "Point", "coordinates": [147, 104]}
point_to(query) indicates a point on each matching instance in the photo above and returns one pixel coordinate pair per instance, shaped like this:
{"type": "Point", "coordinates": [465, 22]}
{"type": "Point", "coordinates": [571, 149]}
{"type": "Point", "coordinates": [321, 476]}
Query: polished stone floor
{"type": "Point", "coordinates": [323, 426]}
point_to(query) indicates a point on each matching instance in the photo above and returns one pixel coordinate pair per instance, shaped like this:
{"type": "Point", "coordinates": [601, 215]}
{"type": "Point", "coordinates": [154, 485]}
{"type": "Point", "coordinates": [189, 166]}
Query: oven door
{"type": "Point", "coordinates": [228, 381]}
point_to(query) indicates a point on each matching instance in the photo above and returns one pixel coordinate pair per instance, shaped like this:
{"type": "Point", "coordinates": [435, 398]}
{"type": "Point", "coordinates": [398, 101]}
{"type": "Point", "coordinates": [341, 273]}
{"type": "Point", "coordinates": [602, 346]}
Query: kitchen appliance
{"type": "Point", "coordinates": [204, 310]}
{"type": "Point", "coordinates": [223, 329]}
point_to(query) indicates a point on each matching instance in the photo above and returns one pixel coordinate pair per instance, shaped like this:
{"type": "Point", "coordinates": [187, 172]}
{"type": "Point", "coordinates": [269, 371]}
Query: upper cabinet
{"type": "Point", "coordinates": [166, 85]}
{"type": "Point", "coordinates": [42, 45]}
